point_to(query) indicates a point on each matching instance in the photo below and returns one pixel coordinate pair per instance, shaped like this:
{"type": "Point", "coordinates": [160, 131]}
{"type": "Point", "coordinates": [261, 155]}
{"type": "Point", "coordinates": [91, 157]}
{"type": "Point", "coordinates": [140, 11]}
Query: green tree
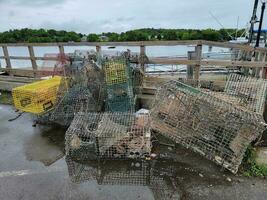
{"type": "Point", "coordinates": [93, 37]}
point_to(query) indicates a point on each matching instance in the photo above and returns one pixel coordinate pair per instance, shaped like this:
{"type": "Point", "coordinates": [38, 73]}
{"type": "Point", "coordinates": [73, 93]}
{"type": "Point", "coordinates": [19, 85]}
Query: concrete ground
{"type": "Point", "coordinates": [33, 166]}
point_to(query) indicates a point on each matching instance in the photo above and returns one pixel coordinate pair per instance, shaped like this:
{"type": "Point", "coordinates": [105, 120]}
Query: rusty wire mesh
{"type": "Point", "coordinates": [215, 128]}
{"type": "Point", "coordinates": [119, 84]}
{"type": "Point", "coordinates": [82, 90]}
{"type": "Point", "coordinates": [109, 135]}
{"type": "Point", "coordinates": [250, 92]}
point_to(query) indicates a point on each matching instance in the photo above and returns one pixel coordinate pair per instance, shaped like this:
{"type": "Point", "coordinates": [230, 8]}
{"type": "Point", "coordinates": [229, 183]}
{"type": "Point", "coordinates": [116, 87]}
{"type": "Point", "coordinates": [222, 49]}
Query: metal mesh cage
{"type": "Point", "coordinates": [119, 84]}
{"type": "Point", "coordinates": [81, 91]}
{"type": "Point", "coordinates": [213, 127]}
{"type": "Point", "coordinates": [250, 92]}
{"type": "Point", "coordinates": [109, 135]}
{"type": "Point", "coordinates": [80, 172]}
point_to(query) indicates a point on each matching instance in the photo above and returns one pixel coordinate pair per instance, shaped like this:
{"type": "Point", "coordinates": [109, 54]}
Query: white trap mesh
{"type": "Point", "coordinates": [213, 127]}
{"type": "Point", "coordinates": [109, 135]}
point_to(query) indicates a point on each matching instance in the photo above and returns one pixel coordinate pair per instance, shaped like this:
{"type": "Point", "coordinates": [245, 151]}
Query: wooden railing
{"type": "Point", "coordinates": [248, 57]}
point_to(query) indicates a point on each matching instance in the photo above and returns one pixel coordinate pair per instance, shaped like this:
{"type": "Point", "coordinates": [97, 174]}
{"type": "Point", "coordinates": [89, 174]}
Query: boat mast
{"type": "Point", "coordinates": [260, 25]}
{"type": "Point", "coordinates": [253, 20]}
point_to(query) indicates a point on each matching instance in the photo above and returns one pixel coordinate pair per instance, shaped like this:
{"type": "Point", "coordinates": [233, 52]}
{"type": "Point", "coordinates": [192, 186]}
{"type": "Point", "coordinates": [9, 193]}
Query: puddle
{"type": "Point", "coordinates": [159, 177]}
{"type": "Point", "coordinates": [163, 178]}
{"type": "Point", "coordinates": [46, 146]}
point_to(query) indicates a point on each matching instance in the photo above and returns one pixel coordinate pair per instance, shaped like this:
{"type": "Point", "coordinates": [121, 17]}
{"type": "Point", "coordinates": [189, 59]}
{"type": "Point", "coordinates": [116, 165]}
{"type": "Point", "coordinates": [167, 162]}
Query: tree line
{"type": "Point", "coordinates": [146, 34]}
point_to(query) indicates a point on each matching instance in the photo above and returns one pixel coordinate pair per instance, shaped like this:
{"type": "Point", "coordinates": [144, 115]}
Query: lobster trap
{"type": "Point", "coordinates": [212, 126]}
{"type": "Point", "coordinates": [119, 85]}
{"type": "Point", "coordinates": [109, 136]}
{"type": "Point", "coordinates": [81, 91]}
{"type": "Point", "coordinates": [116, 71]}
{"type": "Point", "coordinates": [38, 97]}
{"type": "Point", "coordinates": [250, 92]}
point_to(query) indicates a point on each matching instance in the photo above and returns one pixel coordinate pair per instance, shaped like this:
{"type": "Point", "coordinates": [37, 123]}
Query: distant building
{"type": "Point", "coordinates": [84, 38]}
{"type": "Point", "coordinates": [103, 38]}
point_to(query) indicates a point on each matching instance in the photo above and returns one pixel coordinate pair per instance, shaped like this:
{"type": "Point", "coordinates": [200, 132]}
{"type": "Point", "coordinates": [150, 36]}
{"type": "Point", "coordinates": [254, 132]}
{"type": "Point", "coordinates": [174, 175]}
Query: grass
{"type": "Point", "coordinates": [5, 98]}
{"type": "Point", "coordinates": [250, 167]}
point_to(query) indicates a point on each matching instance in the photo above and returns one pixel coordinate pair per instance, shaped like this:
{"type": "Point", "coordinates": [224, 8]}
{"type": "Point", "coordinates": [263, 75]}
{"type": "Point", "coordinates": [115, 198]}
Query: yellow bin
{"type": "Point", "coordinates": [38, 97]}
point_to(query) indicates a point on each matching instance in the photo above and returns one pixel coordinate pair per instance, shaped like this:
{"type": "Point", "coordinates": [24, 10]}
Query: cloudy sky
{"type": "Point", "coordinates": [98, 16]}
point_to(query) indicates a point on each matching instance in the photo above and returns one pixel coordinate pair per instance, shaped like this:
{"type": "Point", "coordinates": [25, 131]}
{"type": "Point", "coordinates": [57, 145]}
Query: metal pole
{"type": "Point", "coordinates": [260, 25]}
{"type": "Point", "coordinates": [253, 20]}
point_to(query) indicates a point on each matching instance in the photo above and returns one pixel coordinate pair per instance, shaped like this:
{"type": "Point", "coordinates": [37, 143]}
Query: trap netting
{"type": "Point", "coordinates": [215, 128]}
{"type": "Point", "coordinates": [118, 75]}
{"type": "Point", "coordinates": [108, 135]}
{"type": "Point", "coordinates": [250, 92]}
{"type": "Point", "coordinates": [82, 90]}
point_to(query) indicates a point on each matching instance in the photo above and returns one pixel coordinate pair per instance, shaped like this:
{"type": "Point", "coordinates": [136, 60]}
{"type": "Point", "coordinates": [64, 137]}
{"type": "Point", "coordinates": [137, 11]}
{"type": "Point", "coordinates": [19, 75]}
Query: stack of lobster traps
{"type": "Point", "coordinates": [119, 85]}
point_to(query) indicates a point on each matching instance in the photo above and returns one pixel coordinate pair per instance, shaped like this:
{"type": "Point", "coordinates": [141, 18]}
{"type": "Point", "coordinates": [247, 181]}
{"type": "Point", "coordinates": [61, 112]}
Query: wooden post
{"type": "Point", "coordinates": [33, 60]}
{"type": "Point", "coordinates": [98, 49]}
{"type": "Point", "coordinates": [246, 56]}
{"type": "Point", "coordinates": [7, 58]}
{"type": "Point", "coordinates": [142, 57]}
{"type": "Point", "coordinates": [190, 68]}
{"type": "Point", "coordinates": [255, 58]}
{"type": "Point", "coordinates": [61, 49]}
{"type": "Point", "coordinates": [198, 50]}
{"type": "Point", "coordinates": [258, 58]}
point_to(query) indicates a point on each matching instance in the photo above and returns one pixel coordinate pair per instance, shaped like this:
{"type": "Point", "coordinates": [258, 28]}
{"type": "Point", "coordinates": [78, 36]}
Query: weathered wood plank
{"type": "Point", "coordinates": [7, 57]}
{"type": "Point", "coordinates": [190, 69]}
{"type": "Point", "coordinates": [138, 43]}
{"type": "Point", "coordinates": [142, 57]}
{"type": "Point", "coordinates": [32, 58]}
{"type": "Point", "coordinates": [198, 50]}
{"type": "Point", "coordinates": [225, 63]}
{"type": "Point", "coordinates": [61, 49]}
{"type": "Point", "coordinates": [146, 43]}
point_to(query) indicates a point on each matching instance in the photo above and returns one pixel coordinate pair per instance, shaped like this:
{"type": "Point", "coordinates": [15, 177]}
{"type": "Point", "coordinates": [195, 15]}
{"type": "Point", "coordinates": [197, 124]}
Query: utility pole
{"type": "Point", "coordinates": [260, 25]}
{"type": "Point", "coordinates": [253, 20]}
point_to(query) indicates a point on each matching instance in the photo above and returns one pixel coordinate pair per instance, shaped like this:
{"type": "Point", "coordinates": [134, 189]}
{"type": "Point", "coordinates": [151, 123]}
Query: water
{"type": "Point", "coordinates": [151, 51]}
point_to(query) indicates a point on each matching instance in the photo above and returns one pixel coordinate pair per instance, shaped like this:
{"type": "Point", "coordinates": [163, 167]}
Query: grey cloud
{"type": "Point", "coordinates": [125, 19]}
{"type": "Point", "coordinates": [32, 3]}
{"type": "Point", "coordinates": [121, 15]}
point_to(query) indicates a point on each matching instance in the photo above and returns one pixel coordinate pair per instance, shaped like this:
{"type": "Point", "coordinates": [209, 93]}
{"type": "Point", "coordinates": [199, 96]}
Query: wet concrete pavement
{"type": "Point", "coordinates": [33, 166]}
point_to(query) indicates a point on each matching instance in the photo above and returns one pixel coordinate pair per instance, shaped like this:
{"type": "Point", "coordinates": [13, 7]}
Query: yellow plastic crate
{"type": "Point", "coordinates": [38, 97]}
{"type": "Point", "coordinates": [115, 73]}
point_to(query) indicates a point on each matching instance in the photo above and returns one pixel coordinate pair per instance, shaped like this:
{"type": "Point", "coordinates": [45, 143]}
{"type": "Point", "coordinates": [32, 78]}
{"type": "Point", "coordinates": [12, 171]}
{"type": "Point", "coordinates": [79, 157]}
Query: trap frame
{"type": "Point", "coordinates": [109, 136]}
{"type": "Point", "coordinates": [214, 127]}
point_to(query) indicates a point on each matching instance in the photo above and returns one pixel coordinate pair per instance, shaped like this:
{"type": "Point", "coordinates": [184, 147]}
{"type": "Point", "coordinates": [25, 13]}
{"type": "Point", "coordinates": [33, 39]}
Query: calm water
{"type": "Point", "coordinates": [152, 51]}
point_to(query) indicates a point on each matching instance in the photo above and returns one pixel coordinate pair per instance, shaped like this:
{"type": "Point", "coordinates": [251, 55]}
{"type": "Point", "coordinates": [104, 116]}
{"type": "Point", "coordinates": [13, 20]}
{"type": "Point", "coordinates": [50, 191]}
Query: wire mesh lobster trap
{"type": "Point", "coordinates": [81, 91]}
{"type": "Point", "coordinates": [211, 126]}
{"type": "Point", "coordinates": [119, 84]}
{"type": "Point", "coordinates": [109, 135]}
{"type": "Point", "coordinates": [250, 92]}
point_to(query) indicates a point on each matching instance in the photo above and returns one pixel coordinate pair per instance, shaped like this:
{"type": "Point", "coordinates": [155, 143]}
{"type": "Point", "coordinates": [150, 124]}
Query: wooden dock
{"type": "Point", "coordinates": [252, 61]}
